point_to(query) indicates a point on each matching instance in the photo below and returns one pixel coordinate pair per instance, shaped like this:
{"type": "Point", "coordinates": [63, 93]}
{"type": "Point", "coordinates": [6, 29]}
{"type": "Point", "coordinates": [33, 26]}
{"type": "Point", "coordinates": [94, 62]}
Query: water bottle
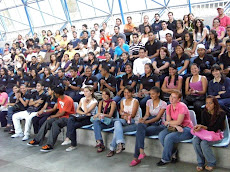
{"type": "Point", "coordinates": [102, 117]}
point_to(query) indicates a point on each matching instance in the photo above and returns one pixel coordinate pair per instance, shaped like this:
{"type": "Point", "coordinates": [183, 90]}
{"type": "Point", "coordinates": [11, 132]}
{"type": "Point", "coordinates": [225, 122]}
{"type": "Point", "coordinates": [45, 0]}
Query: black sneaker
{"type": "Point", "coordinates": [46, 148]}
{"type": "Point", "coordinates": [33, 143]}
{"type": "Point", "coordinates": [161, 163]}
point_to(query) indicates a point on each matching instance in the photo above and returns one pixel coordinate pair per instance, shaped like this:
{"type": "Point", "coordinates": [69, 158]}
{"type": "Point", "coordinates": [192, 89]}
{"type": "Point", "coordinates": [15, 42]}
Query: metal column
{"type": "Point", "coordinates": [189, 5]}
{"type": "Point", "coordinates": [66, 11]}
{"type": "Point", "coordinates": [28, 16]}
{"type": "Point", "coordinates": [122, 14]}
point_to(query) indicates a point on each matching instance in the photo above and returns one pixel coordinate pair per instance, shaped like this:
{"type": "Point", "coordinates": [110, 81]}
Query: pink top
{"type": "Point", "coordinates": [221, 29]}
{"type": "Point", "coordinates": [154, 111]}
{"type": "Point", "coordinates": [225, 21]}
{"type": "Point", "coordinates": [171, 84]}
{"type": "Point", "coordinates": [196, 85]}
{"type": "Point", "coordinates": [2, 96]}
{"type": "Point", "coordinates": [181, 109]}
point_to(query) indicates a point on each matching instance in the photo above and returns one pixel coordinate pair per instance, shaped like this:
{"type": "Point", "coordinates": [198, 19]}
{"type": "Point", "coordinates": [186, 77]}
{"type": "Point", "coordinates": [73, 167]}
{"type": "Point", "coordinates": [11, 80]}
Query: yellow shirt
{"type": "Point", "coordinates": [64, 44]}
{"type": "Point", "coordinates": [58, 38]}
{"type": "Point", "coordinates": [70, 53]}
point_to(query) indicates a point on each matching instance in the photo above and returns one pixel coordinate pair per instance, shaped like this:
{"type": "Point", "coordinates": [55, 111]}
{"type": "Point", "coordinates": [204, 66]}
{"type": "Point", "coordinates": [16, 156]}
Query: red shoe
{"type": "Point", "coordinates": [134, 162]}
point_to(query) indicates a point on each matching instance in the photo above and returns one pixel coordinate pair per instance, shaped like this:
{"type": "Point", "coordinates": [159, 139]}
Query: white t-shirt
{"type": "Point", "coordinates": [139, 65]}
{"type": "Point", "coordinates": [83, 51]}
{"type": "Point", "coordinates": [170, 48]}
{"type": "Point", "coordinates": [162, 34]}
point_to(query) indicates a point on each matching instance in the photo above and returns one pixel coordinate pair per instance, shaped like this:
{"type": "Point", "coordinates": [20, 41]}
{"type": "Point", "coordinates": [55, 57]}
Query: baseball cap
{"type": "Point", "coordinates": [220, 8]}
{"type": "Point", "coordinates": [200, 46]}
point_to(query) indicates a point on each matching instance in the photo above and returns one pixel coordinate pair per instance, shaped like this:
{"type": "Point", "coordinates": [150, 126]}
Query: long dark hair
{"type": "Point", "coordinates": [217, 109]}
{"type": "Point", "coordinates": [94, 57]}
{"type": "Point", "coordinates": [215, 37]}
{"type": "Point", "coordinates": [150, 66]}
{"type": "Point", "coordinates": [96, 44]}
{"type": "Point", "coordinates": [190, 40]}
{"type": "Point", "coordinates": [201, 26]}
{"type": "Point", "coordinates": [176, 76]}
{"type": "Point", "coordinates": [5, 71]}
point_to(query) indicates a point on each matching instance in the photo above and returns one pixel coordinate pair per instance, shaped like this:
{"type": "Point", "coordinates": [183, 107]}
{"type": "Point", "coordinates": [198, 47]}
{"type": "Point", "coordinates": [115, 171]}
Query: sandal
{"type": "Point", "coordinates": [209, 168]}
{"type": "Point", "coordinates": [110, 154]}
{"type": "Point", "coordinates": [100, 148]}
{"type": "Point", "coordinates": [199, 168]}
{"type": "Point", "coordinates": [120, 147]}
{"type": "Point", "coordinates": [97, 144]}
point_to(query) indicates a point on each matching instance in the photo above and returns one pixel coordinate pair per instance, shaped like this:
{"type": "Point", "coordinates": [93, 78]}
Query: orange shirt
{"type": "Point", "coordinates": [129, 26]}
{"type": "Point", "coordinates": [66, 104]}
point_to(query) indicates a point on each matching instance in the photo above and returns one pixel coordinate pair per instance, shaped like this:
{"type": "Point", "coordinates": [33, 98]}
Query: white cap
{"type": "Point", "coordinates": [200, 46]}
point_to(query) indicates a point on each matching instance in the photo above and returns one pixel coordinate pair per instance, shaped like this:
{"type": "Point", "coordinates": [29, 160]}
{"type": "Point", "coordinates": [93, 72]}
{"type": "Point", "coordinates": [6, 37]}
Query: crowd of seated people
{"type": "Point", "coordinates": [135, 71]}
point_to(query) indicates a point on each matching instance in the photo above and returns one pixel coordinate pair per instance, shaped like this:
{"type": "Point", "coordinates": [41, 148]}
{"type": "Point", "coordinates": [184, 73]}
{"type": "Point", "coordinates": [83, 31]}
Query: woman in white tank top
{"type": "Point", "coordinates": [129, 117]}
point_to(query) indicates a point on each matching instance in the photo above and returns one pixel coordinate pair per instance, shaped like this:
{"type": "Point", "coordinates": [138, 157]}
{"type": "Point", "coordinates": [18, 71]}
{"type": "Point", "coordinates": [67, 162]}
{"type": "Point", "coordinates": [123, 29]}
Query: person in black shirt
{"type": "Point", "coordinates": [181, 60]}
{"type": "Point", "coordinates": [36, 102]}
{"type": "Point", "coordinates": [89, 80]}
{"type": "Point", "coordinates": [172, 22]}
{"type": "Point", "coordinates": [161, 64]}
{"type": "Point", "coordinates": [32, 64]}
{"type": "Point", "coordinates": [107, 62]}
{"type": "Point", "coordinates": [152, 46]}
{"type": "Point", "coordinates": [3, 76]}
{"type": "Point", "coordinates": [128, 79]}
{"type": "Point", "coordinates": [40, 67]}
{"type": "Point", "coordinates": [124, 60]}
{"type": "Point", "coordinates": [148, 80]}
{"type": "Point", "coordinates": [212, 120]}
{"type": "Point", "coordinates": [108, 80]}
{"type": "Point", "coordinates": [78, 62]}
{"type": "Point", "coordinates": [225, 60]}
{"type": "Point", "coordinates": [48, 78]}
{"type": "Point", "coordinates": [33, 79]}
{"type": "Point", "coordinates": [48, 109]}
{"type": "Point", "coordinates": [22, 78]}
{"type": "Point", "coordinates": [204, 61]}
{"type": "Point", "coordinates": [93, 62]}
{"type": "Point", "coordinates": [59, 80]}
{"type": "Point", "coordinates": [73, 84]}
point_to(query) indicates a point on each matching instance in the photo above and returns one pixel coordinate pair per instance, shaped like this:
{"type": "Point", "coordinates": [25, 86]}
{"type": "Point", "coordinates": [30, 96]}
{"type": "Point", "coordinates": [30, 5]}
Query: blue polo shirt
{"type": "Point", "coordinates": [118, 50]}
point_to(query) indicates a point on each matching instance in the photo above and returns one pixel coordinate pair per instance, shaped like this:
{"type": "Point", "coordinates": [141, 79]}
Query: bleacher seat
{"type": "Point", "coordinates": [226, 140]}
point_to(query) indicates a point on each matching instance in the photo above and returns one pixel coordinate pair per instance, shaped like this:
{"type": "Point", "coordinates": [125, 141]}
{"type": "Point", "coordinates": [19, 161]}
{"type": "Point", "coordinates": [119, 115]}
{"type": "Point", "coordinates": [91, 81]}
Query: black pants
{"type": "Point", "coordinates": [72, 125]}
{"type": "Point", "coordinates": [54, 125]}
{"type": "Point", "coordinates": [3, 120]}
{"type": "Point", "coordinates": [38, 121]}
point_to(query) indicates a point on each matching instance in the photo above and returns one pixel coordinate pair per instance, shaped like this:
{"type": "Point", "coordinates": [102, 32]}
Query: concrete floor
{"type": "Point", "coordinates": [16, 156]}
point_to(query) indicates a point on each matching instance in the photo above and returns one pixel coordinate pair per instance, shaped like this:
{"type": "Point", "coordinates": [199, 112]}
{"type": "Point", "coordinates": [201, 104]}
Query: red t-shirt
{"type": "Point", "coordinates": [66, 104]}
{"type": "Point", "coordinates": [224, 21]}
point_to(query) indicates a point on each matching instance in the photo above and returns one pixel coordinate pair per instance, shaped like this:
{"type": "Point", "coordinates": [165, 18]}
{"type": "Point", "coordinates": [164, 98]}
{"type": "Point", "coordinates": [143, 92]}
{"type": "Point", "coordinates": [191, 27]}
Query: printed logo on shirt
{"type": "Point", "coordinates": [182, 61]}
{"type": "Point", "coordinates": [163, 62]}
{"type": "Point", "coordinates": [47, 80]}
{"type": "Point", "coordinates": [12, 79]}
{"type": "Point", "coordinates": [109, 83]}
{"type": "Point", "coordinates": [52, 103]}
{"type": "Point", "coordinates": [223, 88]}
{"type": "Point", "coordinates": [150, 80]}
{"type": "Point", "coordinates": [130, 82]}
{"type": "Point", "coordinates": [90, 81]}
{"type": "Point", "coordinates": [4, 80]}
{"type": "Point", "coordinates": [74, 82]}
{"type": "Point", "coordinates": [62, 104]}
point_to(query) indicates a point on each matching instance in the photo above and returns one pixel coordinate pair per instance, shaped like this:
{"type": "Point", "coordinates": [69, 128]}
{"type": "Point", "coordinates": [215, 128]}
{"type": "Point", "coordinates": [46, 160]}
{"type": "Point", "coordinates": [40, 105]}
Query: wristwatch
{"type": "Point", "coordinates": [44, 111]}
{"type": "Point", "coordinates": [69, 85]}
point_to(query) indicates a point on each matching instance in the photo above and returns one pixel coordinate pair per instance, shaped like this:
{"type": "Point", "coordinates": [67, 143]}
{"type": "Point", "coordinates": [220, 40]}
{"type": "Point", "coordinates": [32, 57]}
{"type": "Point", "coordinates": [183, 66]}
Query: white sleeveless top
{"type": "Point", "coordinates": [93, 112]}
{"type": "Point", "coordinates": [129, 109]}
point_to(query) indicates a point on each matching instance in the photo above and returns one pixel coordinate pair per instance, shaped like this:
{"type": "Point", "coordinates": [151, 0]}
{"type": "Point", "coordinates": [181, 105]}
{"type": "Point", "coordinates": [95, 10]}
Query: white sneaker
{"type": "Point", "coordinates": [17, 135]}
{"type": "Point", "coordinates": [69, 149]}
{"type": "Point", "coordinates": [66, 142]}
{"type": "Point", "coordinates": [26, 137]}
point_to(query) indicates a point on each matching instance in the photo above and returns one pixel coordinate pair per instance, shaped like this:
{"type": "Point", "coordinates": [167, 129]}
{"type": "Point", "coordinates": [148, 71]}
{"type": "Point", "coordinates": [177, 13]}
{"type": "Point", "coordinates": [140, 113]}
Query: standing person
{"type": "Point", "coordinates": [171, 22]}
{"type": "Point", "coordinates": [48, 109]}
{"type": "Point", "coordinates": [119, 24]}
{"type": "Point", "coordinates": [104, 118]}
{"type": "Point", "coordinates": [150, 124]}
{"type": "Point", "coordinates": [156, 26]}
{"type": "Point", "coordinates": [129, 117]}
{"type": "Point", "coordinates": [146, 23]}
{"type": "Point", "coordinates": [128, 29]}
{"type": "Point", "coordinates": [177, 120]}
{"type": "Point", "coordinates": [212, 120]}
{"type": "Point", "coordinates": [164, 31]}
{"type": "Point", "coordinates": [152, 46]}
{"type": "Point", "coordinates": [54, 123]}
{"type": "Point", "coordinates": [85, 109]}
{"type": "Point", "coordinates": [116, 36]}
{"type": "Point", "coordinates": [224, 19]}
{"type": "Point", "coordinates": [36, 102]}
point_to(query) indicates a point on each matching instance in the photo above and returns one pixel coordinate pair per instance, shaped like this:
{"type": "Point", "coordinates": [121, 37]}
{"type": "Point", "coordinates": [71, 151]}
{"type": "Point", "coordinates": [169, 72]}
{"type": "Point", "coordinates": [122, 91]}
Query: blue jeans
{"type": "Point", "coordinates": [168, 139]}
{"type": "Point", "coordinates": [204, 151]}
{"type": "Point", "coordinates": [145, 130]}
{"type": "Point", "coordinates": [225, 104]}
{"type": "Point", "coordinates": [41, 75]}
{"type": "Point", "coordinates": [9, 115]}
{"type": "Point", "coordinates": [120, 127]}
{"type": "Point", "coordinates": [98, 126]}
{"type": "Point", "coordinates": [99, 76]}
{"type": "Point", "coordinates": [143, 103]}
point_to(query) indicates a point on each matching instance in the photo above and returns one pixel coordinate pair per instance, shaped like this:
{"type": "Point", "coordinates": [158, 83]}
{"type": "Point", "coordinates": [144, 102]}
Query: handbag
{"type": "Point", "coordinates": [106, 120]}
{"type": "Point", "coordinates": [80, 118]}
{"type": "Point", "coordinates": [210, 136]}
{"type": "Point", "coordinates": [193, 98]}
{"type": "Point", "coordinates": [171, 129]}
